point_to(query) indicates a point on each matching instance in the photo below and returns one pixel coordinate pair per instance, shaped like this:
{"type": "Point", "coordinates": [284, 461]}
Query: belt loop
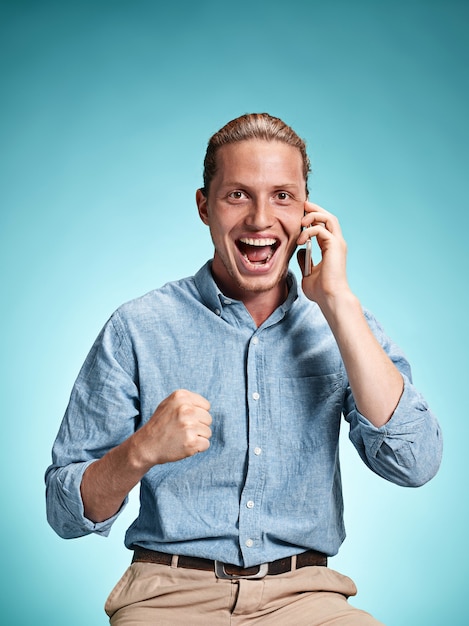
{"type": "Point", "coordinates": [293, 563]}
{"type": "Point", "coordinates": [174, 560]}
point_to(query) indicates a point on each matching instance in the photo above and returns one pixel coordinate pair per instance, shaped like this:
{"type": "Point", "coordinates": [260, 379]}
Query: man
{"type": "Point", "coordinates": [222, 394]}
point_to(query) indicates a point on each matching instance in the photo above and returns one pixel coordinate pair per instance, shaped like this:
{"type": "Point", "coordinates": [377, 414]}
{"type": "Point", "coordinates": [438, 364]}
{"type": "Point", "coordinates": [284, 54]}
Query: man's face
{"type": "Point", "coordinates": [254, 208]}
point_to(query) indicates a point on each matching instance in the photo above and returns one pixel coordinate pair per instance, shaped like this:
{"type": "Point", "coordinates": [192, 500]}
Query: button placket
{"type": "Point", "coordinates": [250, 513]}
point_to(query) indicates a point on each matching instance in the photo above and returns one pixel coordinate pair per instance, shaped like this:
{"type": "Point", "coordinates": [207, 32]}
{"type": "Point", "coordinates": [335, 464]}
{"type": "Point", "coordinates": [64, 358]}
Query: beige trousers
{"type": "Point", "coordinates": [150, 594]}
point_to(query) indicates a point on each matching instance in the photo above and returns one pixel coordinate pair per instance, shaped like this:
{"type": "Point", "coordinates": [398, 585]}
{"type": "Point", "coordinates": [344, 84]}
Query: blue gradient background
{"type": "Point", "coordinates": [106, 109]}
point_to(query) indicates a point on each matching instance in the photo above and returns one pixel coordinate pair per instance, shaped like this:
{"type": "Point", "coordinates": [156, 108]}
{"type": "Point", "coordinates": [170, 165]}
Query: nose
{"type": "Point", "coordinates": [260, 214]}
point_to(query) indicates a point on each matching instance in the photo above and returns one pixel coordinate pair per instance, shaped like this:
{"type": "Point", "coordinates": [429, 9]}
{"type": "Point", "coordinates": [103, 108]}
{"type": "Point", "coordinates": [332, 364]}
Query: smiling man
{"type": "Point", "coordinates": [222, 394]}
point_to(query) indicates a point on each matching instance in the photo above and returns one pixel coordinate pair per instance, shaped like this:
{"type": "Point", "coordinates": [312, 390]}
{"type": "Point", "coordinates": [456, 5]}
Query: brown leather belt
{"type": "Point", "coordinates": [225, 570]}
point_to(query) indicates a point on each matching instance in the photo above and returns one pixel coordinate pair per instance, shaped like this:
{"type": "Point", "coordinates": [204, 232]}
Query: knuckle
{"type": "Point", "coordinates": [185, 411]}
{"type": "Point", "coordinates": [179, 395]}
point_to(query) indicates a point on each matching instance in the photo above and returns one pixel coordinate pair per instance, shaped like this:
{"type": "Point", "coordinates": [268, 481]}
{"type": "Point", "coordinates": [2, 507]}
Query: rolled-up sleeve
{"type": "Point", "coordinates": [102, 412]}
{"type": "Point", "coordinates": [65, 511]}
{"type": "Point", "coordinates": [407, 450]}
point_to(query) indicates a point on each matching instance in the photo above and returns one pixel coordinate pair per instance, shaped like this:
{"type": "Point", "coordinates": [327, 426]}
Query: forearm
{"type": "Point", "coordinates": [180, 427]}
{"type": "Point", "coordinates": [107, 482]}
{"type": "Point", "coordinates": [376, 383]}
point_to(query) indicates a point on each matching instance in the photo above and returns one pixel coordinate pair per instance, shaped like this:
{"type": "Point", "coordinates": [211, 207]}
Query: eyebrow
{"type": "Point", "coordinates": [237, 184]}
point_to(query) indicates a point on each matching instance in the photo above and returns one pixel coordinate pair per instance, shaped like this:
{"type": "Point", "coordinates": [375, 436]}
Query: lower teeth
{"type": "Point", "coordinates": [258, 262]}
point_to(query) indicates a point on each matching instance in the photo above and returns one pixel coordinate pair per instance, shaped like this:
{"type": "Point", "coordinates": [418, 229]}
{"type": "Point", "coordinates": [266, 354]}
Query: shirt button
{"type": "Point", "coordinates": [255, 396]}
{"type": "Point", "coordinates": [250, 504]}
{"type": "Point", "coordinates": [226, 301]}
{"type": "Point", "coordinates": [255, 340]}
{"type": "Point", "coordinates": [249, 543]}
{"type": "Point", "coordinates": [217, 312]}
{"type": "Point", "coordinates": [257, 450]}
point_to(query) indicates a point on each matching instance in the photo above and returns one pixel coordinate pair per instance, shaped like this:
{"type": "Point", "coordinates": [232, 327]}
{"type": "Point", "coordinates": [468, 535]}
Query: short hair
{"type": "Point", "coordinates": [252, 126]}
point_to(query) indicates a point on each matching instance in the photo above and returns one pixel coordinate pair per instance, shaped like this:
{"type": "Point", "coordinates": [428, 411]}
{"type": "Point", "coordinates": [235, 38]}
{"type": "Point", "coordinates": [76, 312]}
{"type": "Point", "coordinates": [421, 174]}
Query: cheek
{"type": "Point", "coordinates": [219, 229]}
{"type": "Point", "coordinates": [222, 224]}
{"type": "Point", "coordinates": [293, 226]}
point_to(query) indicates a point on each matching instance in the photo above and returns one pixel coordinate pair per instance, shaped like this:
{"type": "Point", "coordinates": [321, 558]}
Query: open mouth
{"type": "Point", "coordinates": [257, 252]}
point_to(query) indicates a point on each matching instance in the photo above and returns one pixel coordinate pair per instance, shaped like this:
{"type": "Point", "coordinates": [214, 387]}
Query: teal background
{"type": "Point", "coordinates": [106, 110]}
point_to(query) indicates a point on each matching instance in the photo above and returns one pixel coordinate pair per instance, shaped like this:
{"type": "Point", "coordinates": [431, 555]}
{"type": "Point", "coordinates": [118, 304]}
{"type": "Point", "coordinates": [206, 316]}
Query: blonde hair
{"type": "Point", "coordinates": [252, 126]}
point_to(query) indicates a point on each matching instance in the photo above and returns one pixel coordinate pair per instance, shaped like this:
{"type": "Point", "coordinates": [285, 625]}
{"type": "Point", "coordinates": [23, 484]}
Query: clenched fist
{"type": "Point", "coordinates": [179, 427]}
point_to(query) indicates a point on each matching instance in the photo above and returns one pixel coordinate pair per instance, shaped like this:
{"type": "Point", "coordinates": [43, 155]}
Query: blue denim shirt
{"type": "Point", "coordinates": [269, 485]}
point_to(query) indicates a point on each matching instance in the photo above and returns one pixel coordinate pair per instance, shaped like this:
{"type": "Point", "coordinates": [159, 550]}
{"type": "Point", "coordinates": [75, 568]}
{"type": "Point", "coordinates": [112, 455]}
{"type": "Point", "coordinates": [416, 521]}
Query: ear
{"type": "Point", "coordinates": [201, 200]}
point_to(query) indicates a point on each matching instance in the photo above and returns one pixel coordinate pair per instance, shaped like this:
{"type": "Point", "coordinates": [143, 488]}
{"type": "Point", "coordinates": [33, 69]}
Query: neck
{"type": "Point", "coordinates": [259, 304]}
{"type": "Point", "coordinates": [262, 305]}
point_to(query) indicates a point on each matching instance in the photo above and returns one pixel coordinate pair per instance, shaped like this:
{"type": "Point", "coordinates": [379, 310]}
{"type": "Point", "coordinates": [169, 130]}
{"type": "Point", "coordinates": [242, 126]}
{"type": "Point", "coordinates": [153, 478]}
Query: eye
{"type": "Point", "coordinates": [237, 195]}
{"type": "Point", "coordinates": [283, 197]}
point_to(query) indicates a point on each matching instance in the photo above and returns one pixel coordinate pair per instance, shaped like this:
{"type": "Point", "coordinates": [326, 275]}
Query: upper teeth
{"type": "Point", "coordinates": [257, 242]}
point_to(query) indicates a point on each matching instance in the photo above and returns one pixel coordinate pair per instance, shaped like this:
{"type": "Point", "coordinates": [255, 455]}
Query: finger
{"type": "Point", "coordinates": [201, 402]}
{"type": "Point", "coordinates": [315, 214]}
{"type": "Point", "coordinates": [327, 221]}
{"type": "Point", "coordinates": [317, 231]}
{"type": "Point", "coordinates": [311, 207]}
{"type": "Point", "coordinates": [204, 432]}
{"type": "Point", "coordinates": [203, 444]}
{"type": "Point", "coordinates": [203, 417]}
{"type": "Point", "coordinates": [191, 397]}
{"type": "Point", "coordinates": [201, 441]}
{"type": "Point", "coordinates": [196, 438]}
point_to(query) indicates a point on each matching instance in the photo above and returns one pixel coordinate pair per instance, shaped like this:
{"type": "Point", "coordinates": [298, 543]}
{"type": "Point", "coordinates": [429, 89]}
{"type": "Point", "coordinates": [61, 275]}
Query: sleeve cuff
{"type": "Point", "coordinates": [399, 432]}
{"type": "Point", "coordinates": [74, 523]}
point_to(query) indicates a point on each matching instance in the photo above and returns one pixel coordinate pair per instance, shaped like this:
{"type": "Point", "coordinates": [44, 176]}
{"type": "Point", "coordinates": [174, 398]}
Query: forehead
{"type": "Point", "coordinates": [259, 161]}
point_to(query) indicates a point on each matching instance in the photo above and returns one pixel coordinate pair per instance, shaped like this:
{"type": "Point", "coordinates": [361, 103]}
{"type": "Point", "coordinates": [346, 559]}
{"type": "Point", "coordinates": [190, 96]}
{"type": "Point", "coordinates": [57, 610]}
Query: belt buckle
{"type": "Point", "coordinates": [220, 572]}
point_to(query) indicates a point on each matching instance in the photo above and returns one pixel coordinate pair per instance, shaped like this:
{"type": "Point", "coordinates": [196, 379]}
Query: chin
{"type": "Point", "coordinates": [260, 284]}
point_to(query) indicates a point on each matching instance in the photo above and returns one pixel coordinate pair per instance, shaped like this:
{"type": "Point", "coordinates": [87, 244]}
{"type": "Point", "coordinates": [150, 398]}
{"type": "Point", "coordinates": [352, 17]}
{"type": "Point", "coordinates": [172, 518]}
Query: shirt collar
{"type": "Point", "coordinates": [215, 300]}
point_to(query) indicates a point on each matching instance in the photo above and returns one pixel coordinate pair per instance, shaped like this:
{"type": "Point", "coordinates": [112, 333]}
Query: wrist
{"type": "Point", "coordinates": [336, 305]}
{"type": "Point", "coordinates": [137, 459]}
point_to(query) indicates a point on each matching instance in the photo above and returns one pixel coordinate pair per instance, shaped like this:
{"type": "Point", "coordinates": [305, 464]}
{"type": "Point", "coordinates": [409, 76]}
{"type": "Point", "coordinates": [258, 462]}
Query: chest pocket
{"type": "Point", "coordinates": [310, 410]}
